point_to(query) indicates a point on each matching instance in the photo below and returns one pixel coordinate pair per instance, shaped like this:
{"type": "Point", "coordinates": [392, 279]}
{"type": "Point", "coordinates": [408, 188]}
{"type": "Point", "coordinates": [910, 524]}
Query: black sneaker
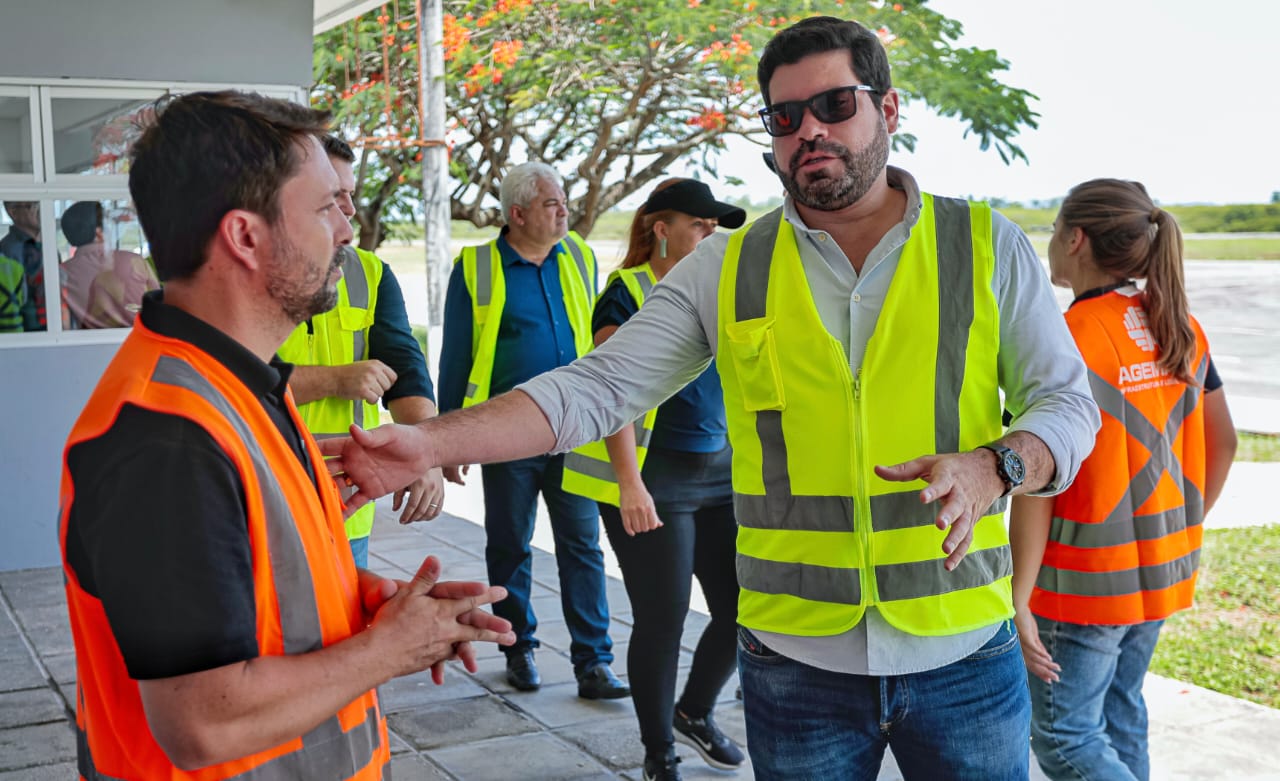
{"type": "Point", "coordinates": [662, 768]}
{"type": "Point", "coordinates": [705, 737]}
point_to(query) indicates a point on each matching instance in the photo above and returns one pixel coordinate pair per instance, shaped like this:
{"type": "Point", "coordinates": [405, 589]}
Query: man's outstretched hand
{"type": "Point", "coordinates": [378, 461]}
{"type": "Point", "coordinates": [965, 485]}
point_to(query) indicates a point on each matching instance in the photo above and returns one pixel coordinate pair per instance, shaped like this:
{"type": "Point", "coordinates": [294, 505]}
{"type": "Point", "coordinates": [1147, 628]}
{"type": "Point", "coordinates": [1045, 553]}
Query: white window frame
{"type": "Point", "coordinates": [37, 144]}
{"type": "Point", "coordinates": [49, 94]}
{"type": "Point", "coordinates": [45, 185]}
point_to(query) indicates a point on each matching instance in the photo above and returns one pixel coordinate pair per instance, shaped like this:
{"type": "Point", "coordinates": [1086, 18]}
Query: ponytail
{"type": "Point", "coordinates": [1131, 238]}
{"type": "Point", "coordinates": [1165, 299]}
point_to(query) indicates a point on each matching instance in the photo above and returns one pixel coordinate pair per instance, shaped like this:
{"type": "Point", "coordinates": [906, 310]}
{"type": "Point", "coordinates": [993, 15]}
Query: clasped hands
{"type": "Point", "coordinates": [428, 622]}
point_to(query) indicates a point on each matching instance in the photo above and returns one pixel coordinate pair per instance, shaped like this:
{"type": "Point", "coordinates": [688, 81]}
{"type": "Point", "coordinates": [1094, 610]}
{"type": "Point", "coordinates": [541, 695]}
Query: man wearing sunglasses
{"type": "Point", "coordinates": [863, 333]}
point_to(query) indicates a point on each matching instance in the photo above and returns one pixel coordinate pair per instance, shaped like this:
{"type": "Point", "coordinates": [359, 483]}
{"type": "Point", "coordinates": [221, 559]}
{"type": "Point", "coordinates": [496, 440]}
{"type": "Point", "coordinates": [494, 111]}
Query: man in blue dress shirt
{"type": "Point", "coordinates": [517, 307]}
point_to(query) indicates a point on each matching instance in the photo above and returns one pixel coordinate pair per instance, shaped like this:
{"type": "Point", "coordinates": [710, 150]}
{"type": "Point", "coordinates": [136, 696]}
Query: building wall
{"type": "Point", "coordinates": [42, 390]}
{"type": "Point", "coordinates": [43, 386]}
{"type": "Point", "coordinates": [233, 41]}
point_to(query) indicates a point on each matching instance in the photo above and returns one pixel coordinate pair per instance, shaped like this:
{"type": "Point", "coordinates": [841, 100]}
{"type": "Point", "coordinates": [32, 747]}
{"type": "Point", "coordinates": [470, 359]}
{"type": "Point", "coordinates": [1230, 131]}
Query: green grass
{"type": "Point", "coordinates": [1258, 447]}
{"type": "Point", "coordinates": [1196, 248]}
{"type": "Point", "coordinates": [1230, 640]}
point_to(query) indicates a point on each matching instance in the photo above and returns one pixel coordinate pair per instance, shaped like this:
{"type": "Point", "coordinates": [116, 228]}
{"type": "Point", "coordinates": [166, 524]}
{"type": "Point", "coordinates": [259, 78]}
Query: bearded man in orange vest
{"type": "Point", "coordinates": [221, 627]}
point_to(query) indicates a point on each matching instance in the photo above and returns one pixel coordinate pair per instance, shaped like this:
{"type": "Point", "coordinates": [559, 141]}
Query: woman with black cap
{"type": "Point", "coordinates": [667, 501]}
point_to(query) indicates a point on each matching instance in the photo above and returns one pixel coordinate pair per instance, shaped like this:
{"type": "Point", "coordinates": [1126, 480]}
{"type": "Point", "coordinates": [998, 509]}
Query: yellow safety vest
{"type": "Point", "coordinates": [13, 294]}
{"type": "Point", "coordinates": [821, 537]}
{"type": "Point", "coordinates": [336, 338]}
{"type": "Point", "coordinates": [482, 270]}
{"type": "Point", "coordinates": [587, 469]}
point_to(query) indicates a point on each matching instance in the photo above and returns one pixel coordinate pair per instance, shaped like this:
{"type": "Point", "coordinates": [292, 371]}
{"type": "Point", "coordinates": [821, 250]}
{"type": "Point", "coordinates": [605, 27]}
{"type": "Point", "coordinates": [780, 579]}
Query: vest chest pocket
{"type": "Point", "coordinates": [355, 319]}
{"type": "Point", "coordinates": [755, 360]}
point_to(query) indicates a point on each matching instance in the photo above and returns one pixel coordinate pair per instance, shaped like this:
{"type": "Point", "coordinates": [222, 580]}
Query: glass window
{"type": "Point", "coordinates": [22, 304]}
{"type": "Point", "coordinates": [105, 270]}
{"type": "Point", "coordinates": [93, 135]}
{"type": "Point", "coordinates": [15, 135]}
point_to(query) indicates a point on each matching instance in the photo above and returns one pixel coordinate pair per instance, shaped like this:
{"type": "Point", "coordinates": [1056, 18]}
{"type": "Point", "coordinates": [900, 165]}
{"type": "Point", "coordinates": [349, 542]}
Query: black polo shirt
{"type": "Point", "coordinates": [158, 529]}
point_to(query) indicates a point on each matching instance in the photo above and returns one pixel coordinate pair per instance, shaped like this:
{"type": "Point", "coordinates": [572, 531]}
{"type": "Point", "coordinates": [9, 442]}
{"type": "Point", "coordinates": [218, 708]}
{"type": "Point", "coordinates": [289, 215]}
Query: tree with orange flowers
{"type": "Point", "coordinates": [613, 92]}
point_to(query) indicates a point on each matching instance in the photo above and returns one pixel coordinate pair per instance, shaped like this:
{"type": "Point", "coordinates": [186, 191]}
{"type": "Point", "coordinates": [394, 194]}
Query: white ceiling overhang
{"type": "Point", "coordinates": [331, 13]}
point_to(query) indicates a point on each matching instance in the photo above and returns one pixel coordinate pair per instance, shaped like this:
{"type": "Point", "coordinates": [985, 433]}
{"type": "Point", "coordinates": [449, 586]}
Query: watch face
{"type": "Point", "coordinates": [1014, 468]}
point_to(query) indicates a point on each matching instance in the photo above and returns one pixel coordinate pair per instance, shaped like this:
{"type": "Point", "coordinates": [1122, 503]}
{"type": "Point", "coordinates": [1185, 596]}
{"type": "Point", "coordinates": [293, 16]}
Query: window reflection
{"type": "Point", "coordinates": [22, 304]}
{"type": "Point", "coordinates": [15, 135]}
{"type": "Point", "coordinates": [106, 270]}
{"type": "Point", "coordinates": [93, 135]}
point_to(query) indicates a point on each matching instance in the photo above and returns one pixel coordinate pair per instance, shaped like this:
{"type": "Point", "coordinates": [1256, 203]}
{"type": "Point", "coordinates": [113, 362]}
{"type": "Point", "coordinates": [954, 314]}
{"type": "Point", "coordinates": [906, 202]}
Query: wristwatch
{"type": "Point", "coordinates": [1009, 467]}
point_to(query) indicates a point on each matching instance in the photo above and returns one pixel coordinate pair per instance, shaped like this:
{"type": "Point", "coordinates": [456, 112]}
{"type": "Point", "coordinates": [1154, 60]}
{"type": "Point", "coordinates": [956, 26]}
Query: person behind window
{"type": "Point", "coordinates": [13, 295]}
{"type": "Point", "coordinates": [22, 244]}
{"type": "Point", "coordinates": [100, 289]}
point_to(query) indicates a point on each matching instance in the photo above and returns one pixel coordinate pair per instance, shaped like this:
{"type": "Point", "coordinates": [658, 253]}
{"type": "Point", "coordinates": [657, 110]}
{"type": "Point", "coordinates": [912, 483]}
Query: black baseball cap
{"type": "Point", "coordinates": [689, 196]}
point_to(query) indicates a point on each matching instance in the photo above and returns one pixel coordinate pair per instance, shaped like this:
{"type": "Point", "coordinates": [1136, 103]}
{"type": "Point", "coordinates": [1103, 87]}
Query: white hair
{"type": "Point", "coordinates": [520, 186]}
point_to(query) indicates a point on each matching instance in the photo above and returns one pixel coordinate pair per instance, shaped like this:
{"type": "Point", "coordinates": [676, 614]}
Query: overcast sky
{"type": "Point", "coordinates": [1183, 96]}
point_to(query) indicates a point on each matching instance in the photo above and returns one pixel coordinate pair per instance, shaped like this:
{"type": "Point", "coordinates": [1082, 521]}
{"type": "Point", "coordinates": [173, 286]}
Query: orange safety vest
{"type": "Point", "coordinates": [304, 578]}
{"type": "Point", "coordinates": [1124, 545]}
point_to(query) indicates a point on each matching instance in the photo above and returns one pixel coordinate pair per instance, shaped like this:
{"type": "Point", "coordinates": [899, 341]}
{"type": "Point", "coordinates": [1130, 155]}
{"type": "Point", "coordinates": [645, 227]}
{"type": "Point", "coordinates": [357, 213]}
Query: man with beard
{"type": "Point", "coordinates": [863, 333]}
{"type": "Point", "coordinates": [218, 618]}
{"type": "Point", "coordinates": [359, 352]}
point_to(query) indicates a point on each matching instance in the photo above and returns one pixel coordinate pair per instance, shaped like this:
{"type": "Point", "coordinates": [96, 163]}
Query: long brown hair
{"type": "Point", "coordinates": [641, 241]}
{"type": "Point", "coordinates": [1132, 238]}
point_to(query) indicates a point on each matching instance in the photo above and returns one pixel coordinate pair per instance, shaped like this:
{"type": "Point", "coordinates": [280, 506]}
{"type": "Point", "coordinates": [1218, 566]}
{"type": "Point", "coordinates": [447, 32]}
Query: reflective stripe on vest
{"type": "Point", "coordinates": [588, 471]}
{"type": "Point", "coordinates": [335, 338]}
{"type": "Point", "coordinates": [482, 270]}
{"type": "Point", "coordinates": [1124, 544]}
{"type": "Point", "coordinates": [358, 297]}
{"type": "Point", "coordinates": [299, 616]}
{"type": "Point", "coordinates": [785, 377]}
{"type": "Point", "coordinates": [328, 753]}
{"type": "Point", "coordinates": [298, 533]}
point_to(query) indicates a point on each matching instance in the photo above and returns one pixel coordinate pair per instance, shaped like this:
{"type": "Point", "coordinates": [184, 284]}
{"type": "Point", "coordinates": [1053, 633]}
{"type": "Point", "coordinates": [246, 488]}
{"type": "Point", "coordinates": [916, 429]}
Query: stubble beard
{"type": "Point", "coordinates": [828, 193]}
{"type": "Point", "coordinates": [299, 305]}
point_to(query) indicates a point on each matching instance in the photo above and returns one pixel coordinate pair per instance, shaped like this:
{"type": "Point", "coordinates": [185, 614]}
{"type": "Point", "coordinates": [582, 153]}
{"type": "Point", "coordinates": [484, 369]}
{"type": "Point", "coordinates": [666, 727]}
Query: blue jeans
{"type": "Point", "coordinates": [967, 720]}
{"type": "Point", "coordinates": [360, 551]}
{"type": "Point", "coordinates": [510, 504]}
{"type": "Point", "coordinates": [1092, 723]}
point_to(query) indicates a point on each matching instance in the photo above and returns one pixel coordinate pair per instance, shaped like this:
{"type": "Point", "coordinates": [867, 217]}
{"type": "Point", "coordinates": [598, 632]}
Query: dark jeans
{"type": "Point", "coordinates": [694, 498]}
{"type": "Point", "coordinates": [966, 721]}
{"type": "Point", "coordinates": [510, 503]}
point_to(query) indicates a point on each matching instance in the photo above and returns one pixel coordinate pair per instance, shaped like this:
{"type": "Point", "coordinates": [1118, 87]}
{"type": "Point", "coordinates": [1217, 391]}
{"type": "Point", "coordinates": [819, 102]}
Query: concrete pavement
{"type": "Point", "coordinates": [476, 728]}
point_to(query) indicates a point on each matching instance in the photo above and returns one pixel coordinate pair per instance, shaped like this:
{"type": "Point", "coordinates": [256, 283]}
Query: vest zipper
{"type": "Point", "coordinates": [861, 498]}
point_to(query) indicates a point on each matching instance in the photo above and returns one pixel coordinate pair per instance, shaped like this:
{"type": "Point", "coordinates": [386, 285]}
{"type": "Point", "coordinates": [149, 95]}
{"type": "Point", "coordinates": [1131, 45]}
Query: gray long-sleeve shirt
{"type": "Point", "coordinates": [673, 337]}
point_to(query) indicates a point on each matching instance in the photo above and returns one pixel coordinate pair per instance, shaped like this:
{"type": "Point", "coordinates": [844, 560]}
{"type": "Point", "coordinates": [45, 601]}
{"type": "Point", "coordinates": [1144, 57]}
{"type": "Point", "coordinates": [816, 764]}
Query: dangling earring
{"type": "Point", "coordinates": [662, 248]}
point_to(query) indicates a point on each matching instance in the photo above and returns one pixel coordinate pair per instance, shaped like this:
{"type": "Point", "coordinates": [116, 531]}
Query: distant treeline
{"type": "Point", "coordinates": [1231, 218]}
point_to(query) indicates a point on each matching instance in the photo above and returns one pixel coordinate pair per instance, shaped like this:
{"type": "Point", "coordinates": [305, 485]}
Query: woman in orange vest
{"type": "Point", "coordinates": [1099, 567]}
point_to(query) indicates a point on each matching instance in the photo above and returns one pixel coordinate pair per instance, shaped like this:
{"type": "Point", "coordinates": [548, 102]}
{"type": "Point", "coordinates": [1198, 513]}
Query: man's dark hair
{"type": "Point", "coordinates": [336, 147]}
{"type": "Point", "coordinates": [819, 34]}
{"type": "Point", "coordinates": [205, 154]}
{"type": "Point", "coordinates": [80, 222]}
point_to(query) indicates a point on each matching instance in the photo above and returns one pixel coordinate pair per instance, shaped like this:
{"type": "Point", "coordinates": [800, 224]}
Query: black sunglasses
{"type": "Point", "coordinates": [834, 105]}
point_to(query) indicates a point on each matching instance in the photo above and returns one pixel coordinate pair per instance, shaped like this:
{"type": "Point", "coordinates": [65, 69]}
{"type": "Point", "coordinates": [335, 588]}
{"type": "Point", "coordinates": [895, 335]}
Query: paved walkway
{"type": "Point", "coordinates": [476, 728]}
